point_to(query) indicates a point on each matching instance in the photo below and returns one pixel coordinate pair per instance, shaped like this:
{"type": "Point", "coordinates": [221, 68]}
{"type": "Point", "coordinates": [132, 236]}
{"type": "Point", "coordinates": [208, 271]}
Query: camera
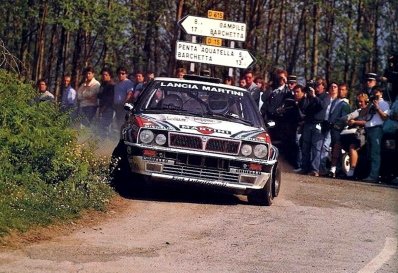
{"type": "Point", "coordinates": [373, 98]}
{"type": "Point", "coordinates": [310, 84]}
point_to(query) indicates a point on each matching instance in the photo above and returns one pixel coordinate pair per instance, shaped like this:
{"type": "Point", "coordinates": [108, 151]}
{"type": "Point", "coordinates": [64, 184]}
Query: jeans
{"type": "Point", "coordinates": [312, 147]}
{"type": "Point", "coordinates": [373, 142]}
{"type": "Point", "coordinates": [88, 113]}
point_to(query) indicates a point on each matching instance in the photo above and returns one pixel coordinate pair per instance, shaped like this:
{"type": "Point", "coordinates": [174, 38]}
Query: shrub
{"type": "Point", "coordinates": [45, 173]}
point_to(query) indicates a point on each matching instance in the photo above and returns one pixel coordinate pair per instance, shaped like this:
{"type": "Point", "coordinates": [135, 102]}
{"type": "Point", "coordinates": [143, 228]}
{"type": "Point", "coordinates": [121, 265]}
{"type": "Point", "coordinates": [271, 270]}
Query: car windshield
{"type": "Point", "coordinates": [200, 99]}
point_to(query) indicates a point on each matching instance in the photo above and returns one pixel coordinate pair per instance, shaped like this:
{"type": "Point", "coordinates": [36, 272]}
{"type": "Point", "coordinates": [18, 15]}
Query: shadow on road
{"type": "Point", "coordinates": [179, 193]}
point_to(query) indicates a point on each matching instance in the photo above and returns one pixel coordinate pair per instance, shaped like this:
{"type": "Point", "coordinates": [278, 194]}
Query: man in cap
{"type": "Point", "coordinates": [371, 80]}
{"type": "Point", "coordinates": [292, 82]}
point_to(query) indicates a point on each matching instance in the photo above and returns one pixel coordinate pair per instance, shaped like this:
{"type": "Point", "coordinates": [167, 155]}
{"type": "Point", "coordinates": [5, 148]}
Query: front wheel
{"type": "Point", "coordinates": [262, 197]}
{"type": "Point", "coordinates": [119, 168]}
{"type": "Point", "coordinates": [276, 181]}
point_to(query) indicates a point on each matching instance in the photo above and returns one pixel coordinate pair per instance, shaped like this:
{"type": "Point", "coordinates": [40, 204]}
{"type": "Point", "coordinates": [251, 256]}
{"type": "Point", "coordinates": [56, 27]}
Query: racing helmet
{"type": "Point", "coordinates": [218, 102]}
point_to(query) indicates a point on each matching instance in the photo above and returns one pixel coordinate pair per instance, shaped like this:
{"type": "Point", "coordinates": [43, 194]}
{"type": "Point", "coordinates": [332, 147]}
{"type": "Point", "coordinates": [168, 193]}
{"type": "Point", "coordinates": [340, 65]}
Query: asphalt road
{"type": "Point", "coordinates": [315, 225]}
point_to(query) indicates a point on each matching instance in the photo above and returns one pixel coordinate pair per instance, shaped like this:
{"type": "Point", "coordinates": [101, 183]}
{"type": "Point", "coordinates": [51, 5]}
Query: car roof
{"type": "Point", "coordinates": [237, 88]}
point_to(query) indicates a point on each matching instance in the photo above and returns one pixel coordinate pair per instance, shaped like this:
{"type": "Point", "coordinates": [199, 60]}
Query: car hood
{"type": "Point", "coordinates": [201, 126]}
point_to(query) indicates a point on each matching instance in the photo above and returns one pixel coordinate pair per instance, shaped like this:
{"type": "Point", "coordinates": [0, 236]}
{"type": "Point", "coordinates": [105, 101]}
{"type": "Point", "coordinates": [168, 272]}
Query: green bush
{"type": "Point", "coordinates": [45, 173]}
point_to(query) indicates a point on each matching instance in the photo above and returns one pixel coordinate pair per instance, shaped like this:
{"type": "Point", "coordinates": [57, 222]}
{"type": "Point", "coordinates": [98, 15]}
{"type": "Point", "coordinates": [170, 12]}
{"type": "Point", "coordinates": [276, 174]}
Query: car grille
{"type": "Point", "coordinates": [200, 173]}
{"type": "Point", "coordinates": [213, 144]}
{"type": "Point", "coordinates": [185, 141]}
{"type": "Point", "coordinates": [222, 146]}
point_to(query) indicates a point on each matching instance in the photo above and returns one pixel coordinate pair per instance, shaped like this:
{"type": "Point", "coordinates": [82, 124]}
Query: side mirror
{"type": "Point", "coordinates": [270, 124]}
{"type": "Point", "coordinates": [128, 106]}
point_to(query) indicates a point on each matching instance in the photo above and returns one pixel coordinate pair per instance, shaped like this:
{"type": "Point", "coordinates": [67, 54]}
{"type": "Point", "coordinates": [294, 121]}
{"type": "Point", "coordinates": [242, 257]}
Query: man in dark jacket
{"type": "Point", "coordinates": [105, 97]}
{"type": "Point", "coordinates": [313, 134]}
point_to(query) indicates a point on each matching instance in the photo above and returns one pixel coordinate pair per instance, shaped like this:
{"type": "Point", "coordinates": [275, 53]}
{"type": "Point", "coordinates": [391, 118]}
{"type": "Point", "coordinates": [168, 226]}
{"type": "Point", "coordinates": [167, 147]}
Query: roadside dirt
{"type": "Point", "coordinates": [90, 218]}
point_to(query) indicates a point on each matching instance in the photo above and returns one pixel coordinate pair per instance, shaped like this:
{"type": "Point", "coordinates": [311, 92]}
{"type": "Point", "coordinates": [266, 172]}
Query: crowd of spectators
{"type": "Point", "coordinates": [316, 123]}
{"type": "Point", "coordinates": [314, 120]}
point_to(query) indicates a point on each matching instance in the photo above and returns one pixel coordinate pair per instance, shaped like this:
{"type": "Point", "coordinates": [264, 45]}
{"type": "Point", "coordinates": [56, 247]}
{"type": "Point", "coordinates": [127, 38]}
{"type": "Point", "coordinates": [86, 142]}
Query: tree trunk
{"type": "Point", "coordinates": [40, 44]}
{"type": "Point", "coordinates": [354, 69]}
{"type": "Point", "coordinates": [279, 31]}
{"type": "Point", "coordinates": [294, 56]}
{"type": "Point", "coordinates": [329, 41]}
{"type": "Point", "coordinates": [315, 39]}
{"type": "Point", "coordinates": [375, 58]}
{"type": "Point", "coordinates": [176, 34]}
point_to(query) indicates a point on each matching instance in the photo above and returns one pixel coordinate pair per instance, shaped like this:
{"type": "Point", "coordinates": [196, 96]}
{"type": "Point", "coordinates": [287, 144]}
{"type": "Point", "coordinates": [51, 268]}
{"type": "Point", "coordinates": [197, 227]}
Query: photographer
{"type": "Point", "coordinates": [314, 108]}
{"type": "Point", "coordinates": [377, 114]}
{"type": "Point", "coordinates": [305, 105]}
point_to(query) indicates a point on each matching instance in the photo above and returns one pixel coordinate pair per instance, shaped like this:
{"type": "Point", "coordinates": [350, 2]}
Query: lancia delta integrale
{"type": "Point", "coordinates": [198, 132]}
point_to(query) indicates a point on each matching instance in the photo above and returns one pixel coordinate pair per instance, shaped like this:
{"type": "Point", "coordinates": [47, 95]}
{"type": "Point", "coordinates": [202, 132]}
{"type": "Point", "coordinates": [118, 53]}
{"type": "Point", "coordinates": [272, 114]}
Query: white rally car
{"type": "Point", "coordinates": [201, 132]}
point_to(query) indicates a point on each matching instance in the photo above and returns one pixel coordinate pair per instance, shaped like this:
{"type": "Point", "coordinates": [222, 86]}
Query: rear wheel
{"type": "Point", "coordinates": [262, 196]}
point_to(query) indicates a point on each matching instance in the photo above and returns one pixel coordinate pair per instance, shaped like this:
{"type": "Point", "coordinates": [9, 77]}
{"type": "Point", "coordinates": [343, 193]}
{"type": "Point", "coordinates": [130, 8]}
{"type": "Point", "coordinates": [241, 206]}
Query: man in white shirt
{"type": "Point", "coordinates": [377, 114]}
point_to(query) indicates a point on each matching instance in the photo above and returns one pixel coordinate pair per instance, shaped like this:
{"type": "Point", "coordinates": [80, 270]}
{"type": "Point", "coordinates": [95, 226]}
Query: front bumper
{"type": "Point", "coordinates": [236, 173]}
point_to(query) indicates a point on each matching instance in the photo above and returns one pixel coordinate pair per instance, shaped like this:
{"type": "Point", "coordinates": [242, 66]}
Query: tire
{"type": "Point", "coordinates": [262, 197]}
{"type": "Point", "coordinates": [119, 168]}
{"type": "Point", "coordinates": [345, 163]}
{"type": "Point", "coordinates": [276, 181]}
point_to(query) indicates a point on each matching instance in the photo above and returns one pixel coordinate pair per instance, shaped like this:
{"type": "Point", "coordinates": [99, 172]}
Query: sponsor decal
{"type": "Point", "coordinates": [202, 88]}
{"type": "Point", "coordinates": [175, 118]}
{"type": "Point", "coordinates": [155, 159]}
{"type": "Point", "coordinates": [153, 126]}
{"type": "Point", "coordinates": [205, 120]}
{"type": "Point", "coordinates": [222, 90]}
{"type": "Point", "coordinates": [200, 181]}
{"type": "Point", "coordinates": [244, 171]}
{"type": "Point", "coordinates": [205, 130]}
{"type": "Point", "coordinates": [179, 85]}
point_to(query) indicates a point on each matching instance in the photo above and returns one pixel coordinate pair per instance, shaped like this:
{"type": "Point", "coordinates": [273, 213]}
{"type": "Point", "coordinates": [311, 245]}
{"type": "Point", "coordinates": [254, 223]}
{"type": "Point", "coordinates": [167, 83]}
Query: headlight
{"type": "Point", "coordinates": [246, 149]}
{"type": "Point", "coordinates": [160, 139]}
{"type": "Point", "coordinates": [146, 136]}
{"type": "Point", "coordinates": [260, 151]}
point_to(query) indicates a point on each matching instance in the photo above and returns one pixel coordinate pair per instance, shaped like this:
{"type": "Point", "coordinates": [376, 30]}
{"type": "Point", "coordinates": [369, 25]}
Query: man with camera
{"type": "Point", "coordinates": [377, 114]}
{"type": "Point", "coordinates": [313, 133]}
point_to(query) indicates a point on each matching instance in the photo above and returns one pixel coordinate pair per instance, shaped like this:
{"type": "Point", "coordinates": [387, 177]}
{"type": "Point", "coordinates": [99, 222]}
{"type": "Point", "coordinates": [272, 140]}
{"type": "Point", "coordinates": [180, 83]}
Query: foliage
{"type": "Point", "coordinates": [45, 173]}
{"type": "Point", "coordinates": [351, 37]}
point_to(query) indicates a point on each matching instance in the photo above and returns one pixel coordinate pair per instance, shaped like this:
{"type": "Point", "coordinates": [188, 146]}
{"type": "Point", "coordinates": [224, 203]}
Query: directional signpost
{"type": "Point", "coordinates": [213, 28]}
{"type": "Point", "coordinates": [224, 56]}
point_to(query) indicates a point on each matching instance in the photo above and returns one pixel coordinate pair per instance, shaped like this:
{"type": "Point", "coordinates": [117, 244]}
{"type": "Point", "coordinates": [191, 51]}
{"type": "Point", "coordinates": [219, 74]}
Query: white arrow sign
{"type": "Point", "coordinates": [213, 28]}
{"type": "Point", "coordinates": [224, 56]}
